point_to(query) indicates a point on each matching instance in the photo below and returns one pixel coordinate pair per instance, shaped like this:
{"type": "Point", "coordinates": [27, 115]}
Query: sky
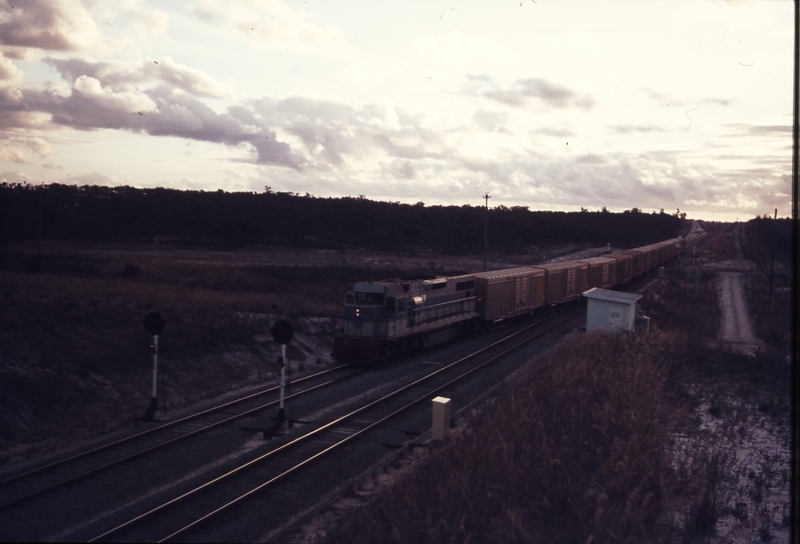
{"type": "Point", "coordinates": [549, 104]}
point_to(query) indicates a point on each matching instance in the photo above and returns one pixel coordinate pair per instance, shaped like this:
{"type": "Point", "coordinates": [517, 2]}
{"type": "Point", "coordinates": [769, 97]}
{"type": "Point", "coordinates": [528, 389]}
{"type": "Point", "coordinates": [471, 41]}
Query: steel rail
{"type": "Point", "coordinates": [161, 444]}
{"type": "Point", "coordinates": [356, 434]}
{"type": "Point", "coordinates": [328, 426]}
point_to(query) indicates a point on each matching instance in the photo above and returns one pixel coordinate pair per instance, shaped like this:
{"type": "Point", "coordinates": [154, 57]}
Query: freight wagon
{"type": "Point", "coordinates": [602, 271]}
{"type": "Point", "coordinates": [624, 267]}
{"type": "Point", "coordinates": [511, 292]}
{"type": "Point", "coordinates": [565, 281]}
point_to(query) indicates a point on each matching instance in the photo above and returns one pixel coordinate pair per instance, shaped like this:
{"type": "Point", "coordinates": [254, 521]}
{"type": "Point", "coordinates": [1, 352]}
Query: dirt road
{"type": "Point", "coordinates": [735, 328]}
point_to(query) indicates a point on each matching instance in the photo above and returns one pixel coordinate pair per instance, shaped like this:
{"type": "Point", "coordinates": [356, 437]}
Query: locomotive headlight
{"type": "Point", "coordinates": [358, 312]}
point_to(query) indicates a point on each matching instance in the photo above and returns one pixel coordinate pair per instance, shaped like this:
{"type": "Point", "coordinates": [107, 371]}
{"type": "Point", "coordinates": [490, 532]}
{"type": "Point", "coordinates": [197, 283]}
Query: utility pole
{"type": "Point", "coordinates": [39, 241]}
{"type": "Point", "coordinates": [772, 270]}
{"type": "Point", "coordinates": [485, 229]}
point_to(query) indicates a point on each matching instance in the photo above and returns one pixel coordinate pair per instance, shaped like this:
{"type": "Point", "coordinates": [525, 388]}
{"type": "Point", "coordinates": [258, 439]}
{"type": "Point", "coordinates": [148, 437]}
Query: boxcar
{"type": "Point", "coordinates": [508, 293]}
{"type": "Point", "coordinates": [624, 267]}
{"type": "Point", "coordinates": [602, 271]}
{"type": "Point", "coordinates": [565, 281]}
{"type": "Point", "coordinates": [670, 248]}
{"type": "Point", "coordinates": [637, 261]}
{"type": "Point", "coordinates": [649, 257]}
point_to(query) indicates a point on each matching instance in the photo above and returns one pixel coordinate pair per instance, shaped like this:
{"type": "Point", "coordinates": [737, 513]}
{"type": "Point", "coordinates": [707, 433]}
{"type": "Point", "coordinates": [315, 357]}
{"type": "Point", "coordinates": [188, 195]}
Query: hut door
{"type": "Point", "coordinates": [616, 318]}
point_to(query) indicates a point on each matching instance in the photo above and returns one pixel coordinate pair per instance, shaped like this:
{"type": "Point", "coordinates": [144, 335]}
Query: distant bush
{"type": "Point", "coordinates": [224, 220]}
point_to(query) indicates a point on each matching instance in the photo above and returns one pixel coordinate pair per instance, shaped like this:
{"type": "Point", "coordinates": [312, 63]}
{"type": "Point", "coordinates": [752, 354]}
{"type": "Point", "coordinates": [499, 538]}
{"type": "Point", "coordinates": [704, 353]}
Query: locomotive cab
{"type": "Point", "coordinates": [369, 306]}
{"type": "Point", "coordinates": [383, 318]}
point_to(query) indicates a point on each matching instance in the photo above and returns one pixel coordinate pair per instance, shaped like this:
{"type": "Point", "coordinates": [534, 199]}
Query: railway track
{"type": "Point", "coordinates": [35, 482]}
{"type": "Point", "coordinates": [219, 509]}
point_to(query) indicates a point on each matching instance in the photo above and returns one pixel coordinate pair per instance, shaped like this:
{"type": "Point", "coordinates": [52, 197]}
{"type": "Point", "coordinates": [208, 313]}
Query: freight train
{"type": "Point", "coordinates": [383, 319]}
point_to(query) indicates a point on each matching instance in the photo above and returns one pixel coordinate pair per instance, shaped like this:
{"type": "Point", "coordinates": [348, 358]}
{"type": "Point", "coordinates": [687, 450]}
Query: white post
{"type": "Point", "coordinates": [442, 412]}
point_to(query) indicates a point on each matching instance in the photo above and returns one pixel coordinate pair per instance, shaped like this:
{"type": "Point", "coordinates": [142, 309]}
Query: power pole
{"type": "Point", "coordinates": [772, 270]}
{"type": "Point", "coordinates": [39, 241]}
{"type": "Point", "coordinates": [485, 229]}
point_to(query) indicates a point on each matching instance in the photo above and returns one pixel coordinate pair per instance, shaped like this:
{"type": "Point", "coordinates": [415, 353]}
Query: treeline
{"type": "Point", "coordinates": [765, 235]}
{"type": "Point", "coordinates": [221, 219]}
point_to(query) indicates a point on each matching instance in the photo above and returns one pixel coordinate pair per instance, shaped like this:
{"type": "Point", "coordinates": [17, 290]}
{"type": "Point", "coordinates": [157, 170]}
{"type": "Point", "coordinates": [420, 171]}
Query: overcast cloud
{"type": "Point", "coordinates": [547, 105]}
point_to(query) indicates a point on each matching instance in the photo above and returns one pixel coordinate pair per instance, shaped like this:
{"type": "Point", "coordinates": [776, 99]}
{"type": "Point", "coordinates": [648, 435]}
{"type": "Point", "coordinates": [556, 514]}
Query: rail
{"type": "Point", "coordinates": [182, 516]}
{"type": "Point", "coordinates": [35, 482]}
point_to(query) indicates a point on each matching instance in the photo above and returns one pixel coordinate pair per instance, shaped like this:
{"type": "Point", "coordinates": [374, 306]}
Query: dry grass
{"type": "Point", "coordinates": [576, 452]}
{"type": "Point", "coordinates": [674, 303]}
{"type": "Point", "coordinates": [772, 320]}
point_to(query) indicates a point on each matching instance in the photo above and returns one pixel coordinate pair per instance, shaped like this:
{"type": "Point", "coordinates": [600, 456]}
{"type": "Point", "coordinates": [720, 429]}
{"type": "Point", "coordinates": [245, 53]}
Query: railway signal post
{"type": "Point", "coordinates": [486, 197]}
{"type": "Point", "coordinates": [153, 324]}
{"type": "Point", "coordinates": [282, 333]}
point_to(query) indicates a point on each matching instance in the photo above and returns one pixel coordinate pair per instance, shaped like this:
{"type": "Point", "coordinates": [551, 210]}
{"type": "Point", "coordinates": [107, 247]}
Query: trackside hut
{"type": "Point", "coordinates": [610, 310]}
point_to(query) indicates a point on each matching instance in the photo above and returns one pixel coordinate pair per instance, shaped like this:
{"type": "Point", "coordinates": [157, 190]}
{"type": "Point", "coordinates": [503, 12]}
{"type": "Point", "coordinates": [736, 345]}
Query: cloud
{"type": "Point", "coordinates": [780, 131]}
{"type": "Point", "coordinates": [121, 76]}
{"type": "Point", "coordinates": [159, 111]}
{"type": "Point", "coordinates": [591, 159]}
{"type": "Point", "coordinates": [16, 176]}
{"type": "Point", "coordinates": [151, 20]}
{"type": "Point", "coordinates": [54, 25]}
{"type": "Point", "coordinates": [492, 121]}
{"type": "Point", "coordinates": [8, 71]}
{"type": "Point", "coordinates": [523, 91]}
{"type": "Point", "coordinates": [125, 101]}
{"type": "Point", "coordinates": [627, 129]}
{"type": "Point", "coordinates": [559, 132]}
{"type": "Point", "coordinates": [269, 24]}
{"type": "Point", "coordinates": [19, 148]}
{"type": "Point", "coordinates": [332, 134]}
{"type": "Point", "coordinates": [94, 178]}
{"type": "Point", "coordinates": [402, 169]}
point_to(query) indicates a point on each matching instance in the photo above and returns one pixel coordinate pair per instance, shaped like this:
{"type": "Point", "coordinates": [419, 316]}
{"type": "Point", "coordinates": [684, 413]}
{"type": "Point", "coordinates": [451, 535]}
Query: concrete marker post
{"type": "Point", "coordinates": [441, 415]}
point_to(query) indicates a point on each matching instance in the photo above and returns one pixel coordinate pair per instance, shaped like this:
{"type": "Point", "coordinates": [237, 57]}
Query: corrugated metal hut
{"type": "Point", "coordinates": [610, 310]}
